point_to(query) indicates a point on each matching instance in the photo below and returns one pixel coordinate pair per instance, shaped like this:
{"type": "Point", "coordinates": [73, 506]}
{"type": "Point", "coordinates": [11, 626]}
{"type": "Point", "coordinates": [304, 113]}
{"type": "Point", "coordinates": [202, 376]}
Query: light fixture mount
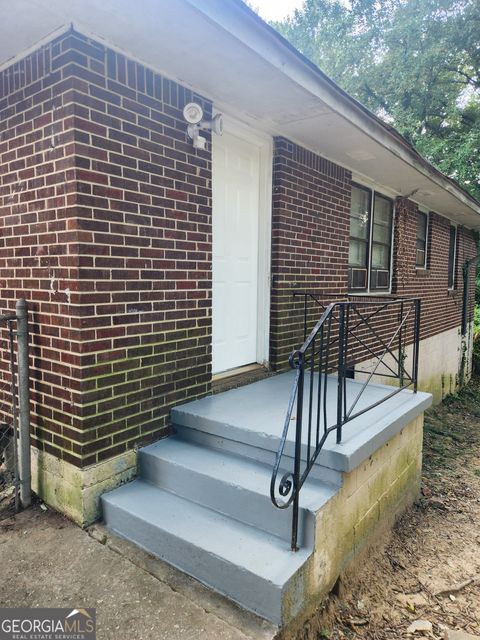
{"type": "Point", "coordinates": [193, 114]}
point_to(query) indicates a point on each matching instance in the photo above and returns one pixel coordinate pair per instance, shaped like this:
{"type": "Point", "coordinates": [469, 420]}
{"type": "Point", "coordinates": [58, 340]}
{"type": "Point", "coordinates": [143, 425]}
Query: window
{"type": "Point", "coordinates": [452, 256]}
{"type": "Point", "coordinates": [422, 230]}
{"type": "Point", "coordinates": [371, 217]}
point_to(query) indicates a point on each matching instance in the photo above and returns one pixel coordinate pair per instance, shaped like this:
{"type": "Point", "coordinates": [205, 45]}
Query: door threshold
{"type": "Point", "coordinates": [239, 377]}
{"type": "Point", "coordinates": [237, 371]}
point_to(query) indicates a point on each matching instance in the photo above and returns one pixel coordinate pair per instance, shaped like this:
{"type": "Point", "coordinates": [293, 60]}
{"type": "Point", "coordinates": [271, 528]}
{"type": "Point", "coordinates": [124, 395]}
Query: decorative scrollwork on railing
{"type": "Point", "coordinates": [294, 359]}
{"type": "Point", "coordinates": [286, 486]}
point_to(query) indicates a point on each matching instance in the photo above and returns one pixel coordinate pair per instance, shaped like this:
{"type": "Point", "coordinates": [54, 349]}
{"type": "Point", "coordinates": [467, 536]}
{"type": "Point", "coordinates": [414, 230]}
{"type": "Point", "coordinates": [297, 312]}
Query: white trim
{"type": "Point", "coordinates": [264, 252]}
{"type": "Point", "coordinates": [243, 24]}
{"type": "Point", "coordinates": [264, 142]}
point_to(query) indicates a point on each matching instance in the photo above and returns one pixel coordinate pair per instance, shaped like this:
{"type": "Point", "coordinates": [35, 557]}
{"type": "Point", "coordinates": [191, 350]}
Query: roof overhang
{"type": "Point", "coordinates": [224, 51]}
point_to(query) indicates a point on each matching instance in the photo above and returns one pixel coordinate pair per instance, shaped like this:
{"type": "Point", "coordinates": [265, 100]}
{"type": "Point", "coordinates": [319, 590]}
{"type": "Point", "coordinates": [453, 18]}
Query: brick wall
{"type": "Point", "coordinates": [108, 211]}
{"type": "Point", "coordinates": [145, 282]}
{"type": "Point", "coordinates": [38, 233]}
{"type": "Point", "coordinates": [310, 226]}
{"type": "Point", "coordinates": [441, 307]}
{"type": "Point", "coordinates": [311, 205]}
{"type": "Point", "coordinates": [106, 230]}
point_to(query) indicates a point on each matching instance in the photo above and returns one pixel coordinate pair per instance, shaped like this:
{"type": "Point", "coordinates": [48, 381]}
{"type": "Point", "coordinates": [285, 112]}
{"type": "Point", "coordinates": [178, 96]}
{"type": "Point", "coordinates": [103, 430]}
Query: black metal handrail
{"type": "Point", "coordinates": [347, 334]}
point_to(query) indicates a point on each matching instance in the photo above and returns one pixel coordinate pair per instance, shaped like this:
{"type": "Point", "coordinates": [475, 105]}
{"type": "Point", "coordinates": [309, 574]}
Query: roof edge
{"type": "Point", "coordinates": [305, 73]}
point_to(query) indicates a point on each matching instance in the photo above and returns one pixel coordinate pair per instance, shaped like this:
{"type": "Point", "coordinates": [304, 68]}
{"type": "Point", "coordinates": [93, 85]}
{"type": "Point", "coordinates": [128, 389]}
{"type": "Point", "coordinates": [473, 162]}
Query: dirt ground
{"type": "Point", "coordinates": [429, 568]}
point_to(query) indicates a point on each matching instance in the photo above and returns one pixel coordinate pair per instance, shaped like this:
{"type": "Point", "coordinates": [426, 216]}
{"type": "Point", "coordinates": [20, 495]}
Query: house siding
{"type": "Point", "coordinates": [107, 232]}
{"type": "Point", "coordinates": [310, 239]}
{"type": "Point", "coordinates": [441, 307]}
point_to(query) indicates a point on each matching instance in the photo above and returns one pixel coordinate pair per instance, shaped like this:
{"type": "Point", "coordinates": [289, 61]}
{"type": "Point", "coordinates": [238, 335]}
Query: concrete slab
{"type": "Point", "coordinates": [172, 462]}
{"type": "Point", "coordinates": [47, 561]}
{"type": "Point", "coordinates": [255, 415]}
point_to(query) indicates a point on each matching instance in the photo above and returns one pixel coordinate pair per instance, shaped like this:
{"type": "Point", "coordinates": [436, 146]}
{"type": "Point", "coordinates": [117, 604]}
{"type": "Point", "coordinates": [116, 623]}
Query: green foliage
{"type": "Point", "coordinates": [415, 63]}
{"type": "Point", "coordinates": [476, 351]}
{"type": "Point", "coordinates": [476, 319]}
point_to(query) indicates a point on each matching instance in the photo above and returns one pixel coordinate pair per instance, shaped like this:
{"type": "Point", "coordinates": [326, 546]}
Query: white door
{"type": "Point", "coordinates": [236, 190]}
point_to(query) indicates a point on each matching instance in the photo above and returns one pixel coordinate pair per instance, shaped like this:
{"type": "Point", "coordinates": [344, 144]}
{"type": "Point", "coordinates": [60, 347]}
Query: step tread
{"type": "Point", "coordinates": [241, 545]}
{"type": "Point", "coordinates": [232, 469]}
{"type": "Point", "coordinates": [254, 415]}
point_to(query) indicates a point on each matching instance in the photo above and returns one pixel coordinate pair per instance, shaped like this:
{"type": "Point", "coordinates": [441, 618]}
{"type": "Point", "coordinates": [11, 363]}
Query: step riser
{"type": "Point", "coordinates": [246, 506]}
{"type": "Point", "coordinates": [250, 591]}
{"type": "Point", "coordinates": [265, 456]}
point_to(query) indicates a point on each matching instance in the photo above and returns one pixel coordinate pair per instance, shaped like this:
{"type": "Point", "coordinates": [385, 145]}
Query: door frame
{"type": "Point", "coordinates": [264, 142]}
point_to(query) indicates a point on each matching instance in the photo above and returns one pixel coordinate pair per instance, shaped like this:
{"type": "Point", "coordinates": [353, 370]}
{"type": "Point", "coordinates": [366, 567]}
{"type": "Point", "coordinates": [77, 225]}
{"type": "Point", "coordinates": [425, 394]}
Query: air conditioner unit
{"type": "Point", "coordinates": [382, 278]}
{"type": "Point", "coordinates": [420, 258]}
{"type": "Point", "coordinates": [358, 278]}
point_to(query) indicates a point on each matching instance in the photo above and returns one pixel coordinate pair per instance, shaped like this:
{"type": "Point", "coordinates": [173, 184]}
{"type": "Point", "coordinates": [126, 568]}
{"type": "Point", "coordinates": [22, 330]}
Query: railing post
{"type": "Point", "coordinates": [416, 344]}
{"type": "Point", "coordinates": [24, 470]}
{"type": "Point", "coordinates": [401, 355]}
{"type": "Point", "coordinates": [305, 315]}
{"type": "Point", "coordinates": [341, 369]}
{"type": "Point", "coordinates": [298, 451]}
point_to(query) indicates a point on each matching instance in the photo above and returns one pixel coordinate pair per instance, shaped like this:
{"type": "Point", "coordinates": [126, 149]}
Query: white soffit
{"type": "Point", "coordinates": [224, 52]}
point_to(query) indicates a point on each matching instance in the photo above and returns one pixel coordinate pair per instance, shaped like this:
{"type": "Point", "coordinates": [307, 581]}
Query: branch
{"type": "Point", "coordinates": [470, 79]}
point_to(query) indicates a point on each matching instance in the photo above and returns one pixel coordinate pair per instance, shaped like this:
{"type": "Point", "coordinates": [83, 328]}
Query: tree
{"type": "Point", "coordinates": [415, 63]}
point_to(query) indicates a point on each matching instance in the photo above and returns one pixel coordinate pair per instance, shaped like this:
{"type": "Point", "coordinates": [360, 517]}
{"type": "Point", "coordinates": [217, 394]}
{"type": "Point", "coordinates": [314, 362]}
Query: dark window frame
{"type": "Point", "coordinates": [372, 195]}
{"type": "Point", "coordinates": [366, 242]}
{"type": "Point", "coordinates": [452, 257]}
{"type": "Point", "coordinates": [424, 240]}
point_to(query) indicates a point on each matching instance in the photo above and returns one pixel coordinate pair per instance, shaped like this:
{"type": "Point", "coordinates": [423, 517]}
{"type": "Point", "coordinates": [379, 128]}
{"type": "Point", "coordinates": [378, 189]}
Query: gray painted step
{"type": "Point", "coordinates": [203, 437]}
{"type": "Point", "coordinates": [235, 486]}
{"type": "Point", "coordinates": [249, 420]}
{"type": "Point", "coordinates": [247, 565]}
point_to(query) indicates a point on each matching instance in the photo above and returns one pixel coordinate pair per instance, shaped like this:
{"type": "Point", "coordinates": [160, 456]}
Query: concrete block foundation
{"type": "Point", "coordinates": [74, 491]}
{"type": "Point", "coordinates": [370, 499]}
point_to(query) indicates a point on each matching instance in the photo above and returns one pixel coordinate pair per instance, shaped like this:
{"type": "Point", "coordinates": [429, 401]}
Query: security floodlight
{"type": "Point", "coordinates": [193, 113]}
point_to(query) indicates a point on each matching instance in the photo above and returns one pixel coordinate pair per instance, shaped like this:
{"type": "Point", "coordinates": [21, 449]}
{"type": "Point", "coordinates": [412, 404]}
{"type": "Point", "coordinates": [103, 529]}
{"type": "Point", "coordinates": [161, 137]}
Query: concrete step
{"type": "Point", "coordinates": [235, 486]}
{"type": "Point", "coordinates": [203, 435]}
{"type": "Point", "coordinates": [247, 565]}
{"type": "Point", "coordinates": [249, 420]}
